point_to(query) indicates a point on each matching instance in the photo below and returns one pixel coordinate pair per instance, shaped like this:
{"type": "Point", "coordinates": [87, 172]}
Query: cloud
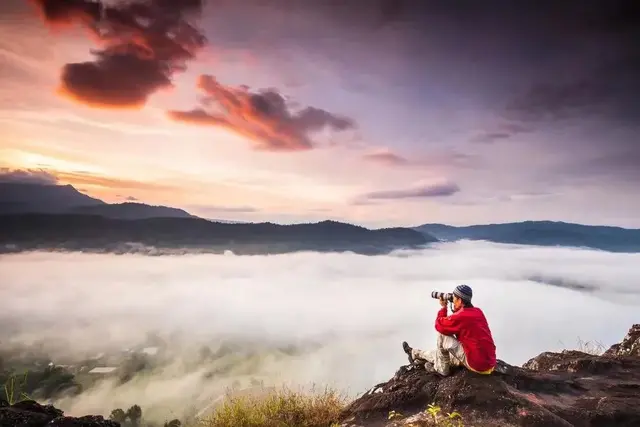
{"type": "Point", "coordinates": [217, 209]}
{"type": "Point", "coordinates": [144, 44]}
{"type": "Point", "coordinates": [387, 157]}
{"type": "Point", "coordinates": [27, 176]}
{"type": "Point", "coordinates": [431, 159]}
{"type": "Point", "coordinates": [601, 78]}
{"type": "Point", "coordinates": [264, 116]}
{"type": "Point", "coordinates": [78, 179]}
{"type": "Point", "coordinates": [88, 179]}
{"type": "Point", "coordinates": [418, 191]}
{"type": "Point", "coordinates": [262, 321]}
{"type": "Point", "coordinates": [502, 131]}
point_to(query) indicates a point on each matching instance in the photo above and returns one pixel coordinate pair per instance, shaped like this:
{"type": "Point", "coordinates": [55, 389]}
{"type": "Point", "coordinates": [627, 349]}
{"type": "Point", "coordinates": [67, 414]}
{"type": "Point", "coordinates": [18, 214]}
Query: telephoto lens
{"type": "Point", "coordinates": [443, 295]}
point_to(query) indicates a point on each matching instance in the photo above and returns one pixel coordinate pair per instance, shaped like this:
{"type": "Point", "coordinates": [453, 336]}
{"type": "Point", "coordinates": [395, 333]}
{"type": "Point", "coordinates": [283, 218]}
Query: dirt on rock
{"type": "Point", "coordinates": [570, 388]}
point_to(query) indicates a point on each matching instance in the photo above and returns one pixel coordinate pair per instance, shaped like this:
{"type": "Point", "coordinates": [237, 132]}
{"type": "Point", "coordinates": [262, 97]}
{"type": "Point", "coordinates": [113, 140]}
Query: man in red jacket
{"type": "Point", "coordinates": [464, 338]}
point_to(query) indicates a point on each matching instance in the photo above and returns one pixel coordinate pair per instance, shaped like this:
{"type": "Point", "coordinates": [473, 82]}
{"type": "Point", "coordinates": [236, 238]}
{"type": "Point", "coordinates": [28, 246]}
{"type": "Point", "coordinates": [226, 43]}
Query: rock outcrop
{"type": "Point", "coordinates": [29, 413]}
{"type": "Point", "coordinates": [630, 345]}
{"type": "Point", "coordinates": [565, 389]}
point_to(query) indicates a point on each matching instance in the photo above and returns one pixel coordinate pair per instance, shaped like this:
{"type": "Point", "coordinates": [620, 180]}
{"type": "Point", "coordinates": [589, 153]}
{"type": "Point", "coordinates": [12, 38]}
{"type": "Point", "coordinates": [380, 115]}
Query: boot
{"type": "Point", "coordinates": [408, 350]}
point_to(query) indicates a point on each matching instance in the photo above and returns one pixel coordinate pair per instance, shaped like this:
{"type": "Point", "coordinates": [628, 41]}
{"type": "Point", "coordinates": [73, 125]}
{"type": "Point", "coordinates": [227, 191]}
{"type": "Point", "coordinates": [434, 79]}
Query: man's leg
{"type": "Point", "coordinates": [449, 353]}
{"type": "Point", "coordinates": [426, 357]}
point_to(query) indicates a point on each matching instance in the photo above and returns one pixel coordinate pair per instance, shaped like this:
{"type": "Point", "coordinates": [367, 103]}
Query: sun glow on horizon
{"type": "Point", "coordinates": [31, 160]}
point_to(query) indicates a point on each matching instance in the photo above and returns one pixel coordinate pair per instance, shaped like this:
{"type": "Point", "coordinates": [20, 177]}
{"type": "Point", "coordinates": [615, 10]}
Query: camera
{"type": "Point", "coordinates": [443, 295]}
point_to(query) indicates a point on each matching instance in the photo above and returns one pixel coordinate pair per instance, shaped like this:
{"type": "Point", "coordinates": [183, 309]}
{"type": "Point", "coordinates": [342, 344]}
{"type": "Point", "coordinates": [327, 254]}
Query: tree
{"type": "Point", "coordinates": [118, 415]}
{"type": "Point", "coordinates": [135, 415]}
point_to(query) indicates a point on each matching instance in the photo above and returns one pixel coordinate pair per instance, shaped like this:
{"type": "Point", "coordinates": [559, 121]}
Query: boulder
{"type": "Point", "coordinates": [564, 389]}
{"type": "Point", "coordinates": [29, 413]}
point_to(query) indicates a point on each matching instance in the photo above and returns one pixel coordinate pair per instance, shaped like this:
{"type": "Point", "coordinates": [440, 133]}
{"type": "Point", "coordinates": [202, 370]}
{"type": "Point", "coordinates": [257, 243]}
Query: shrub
{"type": "Point", "coordinates": [279, 408]}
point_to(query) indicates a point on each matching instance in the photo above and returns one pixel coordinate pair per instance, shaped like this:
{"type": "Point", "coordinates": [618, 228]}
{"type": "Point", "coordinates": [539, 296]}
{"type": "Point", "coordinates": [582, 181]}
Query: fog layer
{"type": "Point", "coordinates": [328, 319]}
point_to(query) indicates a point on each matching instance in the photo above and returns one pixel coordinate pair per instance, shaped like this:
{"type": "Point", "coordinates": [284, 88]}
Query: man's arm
{"type": "Point", "coordinates": [447, 325]}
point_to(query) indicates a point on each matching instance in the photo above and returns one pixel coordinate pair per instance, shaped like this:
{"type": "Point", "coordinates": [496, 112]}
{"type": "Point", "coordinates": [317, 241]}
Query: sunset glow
{"type": "Point", "coordinates": [240, 112]}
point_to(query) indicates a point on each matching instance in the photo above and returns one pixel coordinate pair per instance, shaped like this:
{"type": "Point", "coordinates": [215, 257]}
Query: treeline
{"type": "Point", "coordinates": [132, 417]}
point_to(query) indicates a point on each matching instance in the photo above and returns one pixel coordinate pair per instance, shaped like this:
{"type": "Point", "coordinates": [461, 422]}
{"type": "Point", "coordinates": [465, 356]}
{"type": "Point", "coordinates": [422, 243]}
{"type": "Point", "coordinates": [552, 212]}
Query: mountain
{"type": "Point", "coordinates": [99, 233]}
{"type": "Point", "coordinates": [41, 198]}
{"type": "Point", "coordinates": [131, 211]}
{"type": "Point", "coordinates": [19, 198]}
{"type": "Point", "coordinates": [46, 216]}
{"type": "Point", "coordinates": [542, 233]}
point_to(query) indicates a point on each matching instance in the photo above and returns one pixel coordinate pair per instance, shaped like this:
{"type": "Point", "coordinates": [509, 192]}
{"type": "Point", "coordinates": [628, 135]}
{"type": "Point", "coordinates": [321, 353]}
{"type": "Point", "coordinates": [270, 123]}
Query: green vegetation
{"type": "Point", "coordinates": [452, 419]}
{"type": "Point", "coordinates": [37, 384]}
{"type": "Point", "coordinates": [435, 418]}
{"type": "Point", "coordinates": [279, 408]}
{"type": "Point", "coordinates": [132, 417]}
{"type": "Point", "coordinates": [14, 391]}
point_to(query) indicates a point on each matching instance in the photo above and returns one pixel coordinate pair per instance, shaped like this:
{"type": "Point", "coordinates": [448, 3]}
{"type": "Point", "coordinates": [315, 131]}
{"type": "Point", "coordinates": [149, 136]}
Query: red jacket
{"type": "Point", "coordinates": [472, 330]}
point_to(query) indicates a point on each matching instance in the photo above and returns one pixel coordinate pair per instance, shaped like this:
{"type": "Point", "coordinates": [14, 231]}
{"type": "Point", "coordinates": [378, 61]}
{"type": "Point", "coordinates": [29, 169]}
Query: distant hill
{"type": "Point", "coordinates": [542, 233]}
{"type": "Point", "coordinates": [131, 211]}
{"type": "Point", "coordinates": [20, 198]}
{"type": "Point", "coordinates": [41, 198]}
{"type": "Point", "coordinates": [98, 233]}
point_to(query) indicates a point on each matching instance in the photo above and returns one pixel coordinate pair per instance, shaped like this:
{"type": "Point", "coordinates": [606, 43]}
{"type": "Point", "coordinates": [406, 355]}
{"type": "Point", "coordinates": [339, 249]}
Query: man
{"type": "Point", "coordinates": [464, 338]}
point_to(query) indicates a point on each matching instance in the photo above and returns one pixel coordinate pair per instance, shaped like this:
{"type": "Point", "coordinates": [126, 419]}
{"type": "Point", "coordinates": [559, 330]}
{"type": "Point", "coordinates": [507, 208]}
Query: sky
{"type": "Point", "coordinates": [381, 113]}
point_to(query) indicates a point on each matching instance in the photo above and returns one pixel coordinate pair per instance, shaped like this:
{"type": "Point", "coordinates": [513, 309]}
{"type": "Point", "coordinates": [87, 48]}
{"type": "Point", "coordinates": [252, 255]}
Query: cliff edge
{"type": "Point", "coordinates": [565, 389]}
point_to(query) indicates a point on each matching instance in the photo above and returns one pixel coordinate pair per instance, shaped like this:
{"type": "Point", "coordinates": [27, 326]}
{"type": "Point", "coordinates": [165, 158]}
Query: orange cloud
{"type": "Point", "coordinates": [92, 180]}
{"type": "Point", "coordinates": [144, 44]}
{"type": "Point", "coordinates": [263, 117]}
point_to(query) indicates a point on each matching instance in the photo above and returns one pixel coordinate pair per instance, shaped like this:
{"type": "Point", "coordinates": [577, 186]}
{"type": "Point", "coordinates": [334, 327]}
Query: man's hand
{"type": "Point", "coordinates": [443, 302]}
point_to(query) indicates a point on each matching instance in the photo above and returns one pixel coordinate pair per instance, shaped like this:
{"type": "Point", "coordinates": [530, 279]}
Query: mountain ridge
{"type": "Point", "coordinates": [27, 198]}
{"type": "Point", "coordinates": [541, 233]}
{"type": "Point", "coordinates": [79, 232]}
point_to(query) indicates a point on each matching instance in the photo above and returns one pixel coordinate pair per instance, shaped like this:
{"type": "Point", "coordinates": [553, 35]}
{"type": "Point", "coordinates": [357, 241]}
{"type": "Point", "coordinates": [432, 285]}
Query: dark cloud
{"type": "Point", "coordinates": [594, 70]}
{"type": "Point", "coordinates": [263, 116]}
{"type": "Point", "coordinates": [611, 91]}
{"type": "Point", "coordinates": [143, 44]}
{"type": "Point", "coordinates": [421, 191]}
{"type": "Point", "coordinates": [27, 176]}
{"type": "Point", "coordinates": [503, 131]}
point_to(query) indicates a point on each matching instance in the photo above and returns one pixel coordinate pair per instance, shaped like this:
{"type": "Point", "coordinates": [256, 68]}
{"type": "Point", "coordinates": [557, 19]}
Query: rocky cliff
{"type": "Point", "coordinates": [564, 389]}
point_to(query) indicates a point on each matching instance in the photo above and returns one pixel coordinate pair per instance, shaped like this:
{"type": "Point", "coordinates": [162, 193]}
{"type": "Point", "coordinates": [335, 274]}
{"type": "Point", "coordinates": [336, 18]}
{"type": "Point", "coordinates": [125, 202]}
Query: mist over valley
{"type": "Point", "coordinates": [204, 323]}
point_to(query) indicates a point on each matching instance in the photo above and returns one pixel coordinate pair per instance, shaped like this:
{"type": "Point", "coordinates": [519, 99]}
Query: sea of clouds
{"type": "Point", "coordinates": [304, 318]}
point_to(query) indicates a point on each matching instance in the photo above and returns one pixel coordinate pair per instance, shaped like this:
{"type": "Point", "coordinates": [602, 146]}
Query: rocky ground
{"type": "Point", "coordinates": [565, 389]}
{"type": "Point", "coordinates": [31, 414]}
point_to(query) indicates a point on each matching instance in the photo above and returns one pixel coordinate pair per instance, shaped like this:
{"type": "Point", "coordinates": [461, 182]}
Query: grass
{"type": "Point", "coordinates": [279, 408]}
{"type": "Point", "coordinates": [595, 348]}
{"type": "Point", "coordinates": [13, 390]}
{"type": "Point", "coordinates": [591, 347]}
